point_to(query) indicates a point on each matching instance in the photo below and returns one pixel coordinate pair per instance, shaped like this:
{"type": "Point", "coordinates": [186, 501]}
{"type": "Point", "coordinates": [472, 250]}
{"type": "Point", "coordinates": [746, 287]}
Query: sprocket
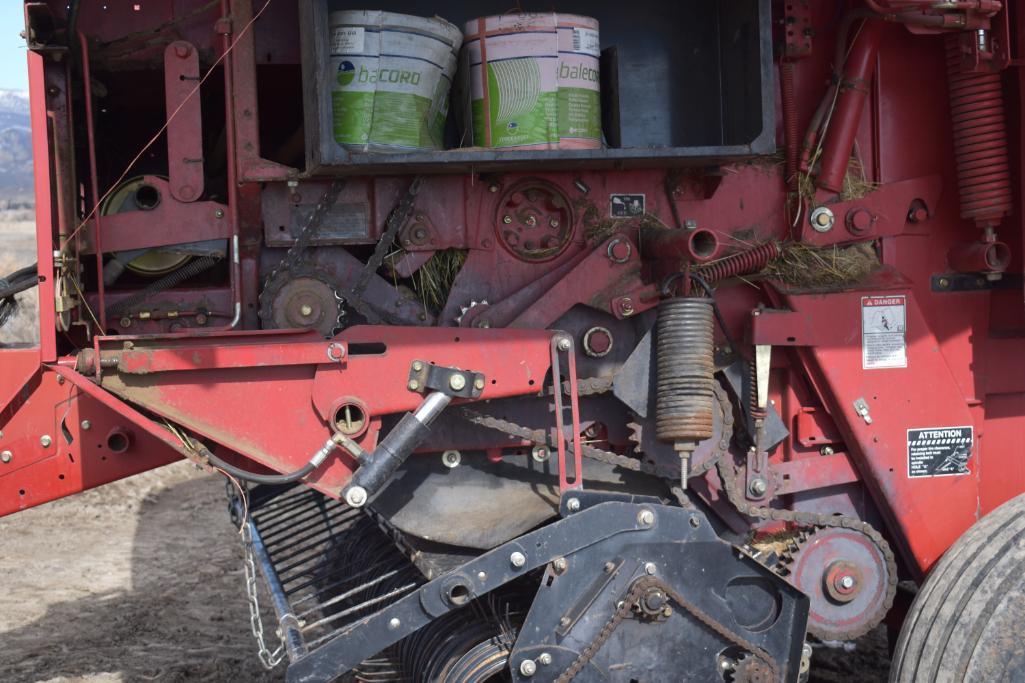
{"type": "Point", "coordinates": [849, 577]}
{"type": "Point", "coordinates": [303, 297]}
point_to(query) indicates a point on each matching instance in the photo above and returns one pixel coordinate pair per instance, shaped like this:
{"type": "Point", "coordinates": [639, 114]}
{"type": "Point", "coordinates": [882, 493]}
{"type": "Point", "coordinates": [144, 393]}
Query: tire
{"type": "Point", "coordinates": [967, 623]}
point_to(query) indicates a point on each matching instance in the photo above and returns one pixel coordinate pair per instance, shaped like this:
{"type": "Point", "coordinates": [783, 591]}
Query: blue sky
{"type": "Point", "coordinates": [13, 73]}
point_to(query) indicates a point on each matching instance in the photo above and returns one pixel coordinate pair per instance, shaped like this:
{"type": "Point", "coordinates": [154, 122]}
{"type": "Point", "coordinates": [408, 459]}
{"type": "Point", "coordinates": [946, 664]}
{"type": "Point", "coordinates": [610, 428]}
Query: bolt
{"type": "Point", "coordinates": [646, 517]}
{"type": "Point", "coordinates": [356, 496]}
{"type": "Point", "coordinates": [560, 565]}
{"type": "Point", "coordinates": [540, 453]}
{"type": "Point", "coordinates": [45, 441]}
{"type": "Point", "coordinates": [650, 568]}
{"type": "Point", "coordinates": [6, 456]}
{"type": "Point", "coordinates": [626, 306]}
{"type": "Point", "coordinates": [417, 366]}
{"type": "Point", "coordinates": [457, 382]}
{"type": "Point", "coordinates": [528, 667]}
{"type": "Point", "coordinates": [944, 283]}
{"type": "Point", "coordinates": [126, 322]}
{"type": "Point", "coordinates": [507, 219]}
{"type": "Point", "coordinates": [758, 487]}
{"type": "Point", "coordinates": [545, 659]}
{"type": "Point", "coordinates": [306, 310]}
{"type": "Point", "coordinates": [492, 188]}
{"type": "Point", "coordinates": [822, 219]}
{"type": "Point", "coordinates": [667, 611]}
{"type": "Point", "coordinates": [847, 582]}
{"type": "Point", "coordinates": [86, 425]}
{"type": "Point", "coordinates": [554, 222]}
{"type": "Point", "coordinates": [219, 213]}
{"type": "Point", "coordinates": [413, 385]}
{"type": "Point", "coordinates": [394, 623]}
{"type": "Point", "coordinates": [451, 459]}
{"type": "Point", "coordinates": [826, 450]}
{"type": "Point", "coordinates": [60, 380]}
{"type": "Point", "coordinates": [564, 622]}
{"type": "Point", "coordinates": [564, 344]}
{"type": "Point", "coordinates": [482, 576]}
{"type": "Point", "coordinates": [610, 567]}
{"type": "Point", "coordinates": [517, 559]}
{"type": "Point", "coordinates": [573, 504]}
{"type": "Point", "coordinates": [531, 221]}
{"type": "Point", "coordinates": [478, 383]}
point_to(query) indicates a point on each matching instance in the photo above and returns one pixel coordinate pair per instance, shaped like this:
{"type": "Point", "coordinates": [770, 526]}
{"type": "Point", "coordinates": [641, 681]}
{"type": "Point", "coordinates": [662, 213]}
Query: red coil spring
{"type": "Point", "coordinates": [980, 140]}
{"type": "Point", "coordinates": [742, 263]}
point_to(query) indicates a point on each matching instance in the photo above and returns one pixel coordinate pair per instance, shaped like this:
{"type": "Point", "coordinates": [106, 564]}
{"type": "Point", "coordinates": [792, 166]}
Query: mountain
{"type": "Point", "coordinates": [15, 142]}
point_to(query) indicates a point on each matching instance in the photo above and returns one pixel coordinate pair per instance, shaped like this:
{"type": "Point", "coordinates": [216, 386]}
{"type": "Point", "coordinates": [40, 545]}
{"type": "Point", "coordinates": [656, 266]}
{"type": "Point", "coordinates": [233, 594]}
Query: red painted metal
{"type": "Point", "coordinates": [185, 122]}
{"type": "Point", "coordinates": [94, 191]}
{"type": "Point", "coordinates": [45, 192]}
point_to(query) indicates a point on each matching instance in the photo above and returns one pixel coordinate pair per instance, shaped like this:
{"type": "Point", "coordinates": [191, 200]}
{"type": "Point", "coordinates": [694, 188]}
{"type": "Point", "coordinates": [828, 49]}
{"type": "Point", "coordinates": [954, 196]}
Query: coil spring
{"type": "Point", "coordinates": [169, 281]}
{"type": "Point", "coordinates": [980, 140]}
{"type": "Point", "coordinates": [754, 410]}
{"type": "Point", "coordinates": [742, 263]}
{"type": "Point", "coordinates": [790, 123]}
{"type": "Point", "coordinates": [684, 398]}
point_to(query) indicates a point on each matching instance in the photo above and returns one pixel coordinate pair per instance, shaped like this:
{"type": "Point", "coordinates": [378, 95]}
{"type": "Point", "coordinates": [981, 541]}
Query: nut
{"type": "Point", "coordinates": [451, 459]}
{"type": "Point", "coordinates": [528, 667]}
{"type": "Point", "coordinates": [573, 504]}
{"type": "Point", "coordinates": [564, 344]}
{"type": "Point", "coordinates": [650, 568]}
{"type": "Point", "coordinates": [540, 453]}
{"type": "Point", "coordinates": [545, 659]}
{"type": "Point", "coordinates": [758, 487]}
{"type": "Point", "coordinates": [356, 496]}
{"type": "Point", "coordinates": [517, 559]}
{"type": "Point", "coordinates": [826, 450]}
{"type": "Point", "coordinates": [560, 565]}
{"type": "Point", "coordinates": [646, 517]}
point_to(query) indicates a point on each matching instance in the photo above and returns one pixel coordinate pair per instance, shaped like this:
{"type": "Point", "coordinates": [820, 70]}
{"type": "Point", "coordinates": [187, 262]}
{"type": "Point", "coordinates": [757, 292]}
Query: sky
{"type": "Point", "coordinates": [13, 71]}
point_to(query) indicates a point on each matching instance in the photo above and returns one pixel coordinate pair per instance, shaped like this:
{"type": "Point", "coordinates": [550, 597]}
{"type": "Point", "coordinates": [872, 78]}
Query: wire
{"type": "Point", "coordinates": [167, 123]}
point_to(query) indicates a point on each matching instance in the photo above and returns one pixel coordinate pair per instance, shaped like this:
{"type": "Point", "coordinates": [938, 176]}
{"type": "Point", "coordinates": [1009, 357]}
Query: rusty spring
{"type": "Point", "coordinates": [742, 263]}
{"type": "Point", "coordinates": [980, 140]}
{"type": "Point", "coordinates": [685, 362]}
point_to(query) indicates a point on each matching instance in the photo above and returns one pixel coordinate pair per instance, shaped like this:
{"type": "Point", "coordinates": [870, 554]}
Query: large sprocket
{"type": "Point", "coordinates": [849, 576]}
{"type": "Point", "coordinates": [303, 297]}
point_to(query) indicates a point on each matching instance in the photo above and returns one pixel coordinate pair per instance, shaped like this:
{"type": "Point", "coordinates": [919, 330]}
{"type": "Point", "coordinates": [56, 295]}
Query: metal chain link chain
{"type": "Point", "coordinates": [267, 658]}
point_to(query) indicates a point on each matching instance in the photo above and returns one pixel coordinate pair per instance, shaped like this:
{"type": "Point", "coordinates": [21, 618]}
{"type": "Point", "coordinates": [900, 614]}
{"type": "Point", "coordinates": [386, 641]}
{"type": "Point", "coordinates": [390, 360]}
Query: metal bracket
{"type": "Point", "coordinates": [861, 408]}
{"type": "Point", "coordinates": [974, 282]}
{"type": "Point", "coordinates": [425, 376]}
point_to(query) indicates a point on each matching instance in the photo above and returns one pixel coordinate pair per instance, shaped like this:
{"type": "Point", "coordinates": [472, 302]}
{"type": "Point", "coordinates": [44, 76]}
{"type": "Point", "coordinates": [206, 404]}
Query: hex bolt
{"type": "Point", "coordinates": [457, 382]}
{"type": "Point", "coordinates": [517, 559]}
{"type": "Point", "coordinates": [646, 517]}
{"type": "Point", "coordinates": [847, 582]}
{"type": "Point", "coordinates": [650, 568]}
{"type": "Point", "coordinates": [826, 450]}
{"type": "Point", "coordinates": [758, 487]}
{"type": "Point", "coordinates": [478, 383]}
{"type": "Point", "coordinates": [356, 496]}
{"type": "Point", "coordinates": [413, 385]}
{"type": "Point", "coordinates": [560, 565]}
{"type": "Point", "coordinates": [86, 425]}
{"type": "Point", "coordinates": [417, 366]}
{"type": "Point", "coordinates": [451, 459]}
{"type": "Point", "coordinates": [573, 504]}
{"type": "Point", "coordinates": [565, 344]}
{"type": "Point", "coordinates": [528, 668]}
{"type": "Point", "coordinates": [45, 441]}
{"type": "Point", "coordinates": [507, 219]}
{"type": "Point", "coordinates": [545, 659]}
{"type": "Point", "coordinates": [394, 623]}
{"type": "Point", "coordinates": [6, 456]}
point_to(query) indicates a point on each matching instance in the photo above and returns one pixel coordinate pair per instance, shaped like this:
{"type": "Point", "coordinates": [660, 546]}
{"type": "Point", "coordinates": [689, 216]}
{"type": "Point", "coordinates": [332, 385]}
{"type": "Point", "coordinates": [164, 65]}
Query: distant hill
{"type": "Point", "coordinates": [15, 143]}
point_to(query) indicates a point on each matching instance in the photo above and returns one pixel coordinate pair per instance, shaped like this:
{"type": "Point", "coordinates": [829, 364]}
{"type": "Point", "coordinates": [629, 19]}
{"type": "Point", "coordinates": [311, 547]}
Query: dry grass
{"type": "Point", "coordinates": [804, 266]}
{"type": "Point", "coordinates": [433, 281]}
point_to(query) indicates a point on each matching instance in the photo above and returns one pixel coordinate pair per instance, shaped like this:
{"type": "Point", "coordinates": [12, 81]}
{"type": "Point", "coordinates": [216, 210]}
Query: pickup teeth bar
{"type": "Point", "coordinates": [326, 565]}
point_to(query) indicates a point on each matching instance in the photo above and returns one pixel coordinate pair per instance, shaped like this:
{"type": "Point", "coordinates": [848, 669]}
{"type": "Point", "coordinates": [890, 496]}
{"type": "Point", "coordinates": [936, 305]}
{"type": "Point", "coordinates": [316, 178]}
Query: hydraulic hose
{"type": "Point", "coordinates": [318, 458]}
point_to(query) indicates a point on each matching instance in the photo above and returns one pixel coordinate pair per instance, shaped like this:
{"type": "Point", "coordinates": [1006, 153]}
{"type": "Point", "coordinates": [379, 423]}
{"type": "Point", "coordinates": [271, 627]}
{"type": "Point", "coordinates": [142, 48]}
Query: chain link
{"type": "Point", "coordinates": [267, 658]}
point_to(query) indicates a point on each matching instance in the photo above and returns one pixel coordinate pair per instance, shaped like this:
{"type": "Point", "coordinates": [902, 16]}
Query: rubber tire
{"type": "Point", "coordinates": [968, 620]}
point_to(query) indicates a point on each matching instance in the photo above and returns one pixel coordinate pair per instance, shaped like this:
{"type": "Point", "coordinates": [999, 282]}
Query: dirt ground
{"type": "Point", "coordinates": [141, 580]}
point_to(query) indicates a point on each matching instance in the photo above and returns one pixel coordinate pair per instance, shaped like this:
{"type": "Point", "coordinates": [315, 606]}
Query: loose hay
{"type": "Point", "coordinates": [805, 266]}
{"type": "Point", "coordinates": [433, 280]}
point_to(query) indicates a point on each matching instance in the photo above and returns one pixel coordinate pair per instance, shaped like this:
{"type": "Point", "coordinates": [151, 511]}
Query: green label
{"type": "Point", "coordinates": [579, 113]}
{"type": "Point", "coordinates": [386, 118]}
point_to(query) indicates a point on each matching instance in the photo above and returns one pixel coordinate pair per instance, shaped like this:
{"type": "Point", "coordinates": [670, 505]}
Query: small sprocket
{"type": "Point", "coordinates": [302, 298]}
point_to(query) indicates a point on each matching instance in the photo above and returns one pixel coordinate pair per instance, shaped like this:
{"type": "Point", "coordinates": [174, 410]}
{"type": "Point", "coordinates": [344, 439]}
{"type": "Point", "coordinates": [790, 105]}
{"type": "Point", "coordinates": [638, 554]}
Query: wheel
{"type": "Point", "coordinates": [967, 621]}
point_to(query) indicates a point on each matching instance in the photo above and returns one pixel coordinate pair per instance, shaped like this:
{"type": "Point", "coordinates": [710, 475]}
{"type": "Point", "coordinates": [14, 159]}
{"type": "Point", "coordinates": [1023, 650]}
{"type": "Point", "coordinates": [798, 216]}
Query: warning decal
{"type": "Point", "coordinates": [626, 205]}
{"type": "Point", "coordinates": [939, 451]}
{"type": "Point", "coordinates": [883, 330]}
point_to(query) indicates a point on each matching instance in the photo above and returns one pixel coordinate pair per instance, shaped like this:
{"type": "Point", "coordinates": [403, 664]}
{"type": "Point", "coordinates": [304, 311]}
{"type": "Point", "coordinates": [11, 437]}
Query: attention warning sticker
{"type": "Point", "coordinates": [939, 451]}
{"type": "Point", "coordinates": [883, 330]}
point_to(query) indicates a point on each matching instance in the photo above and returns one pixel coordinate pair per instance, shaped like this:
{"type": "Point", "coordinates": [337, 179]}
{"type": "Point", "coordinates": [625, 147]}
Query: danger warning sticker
{"type": "Point", "coordinates": [883, 332]}
{"type": "Point", "coordinates": [939, 451]}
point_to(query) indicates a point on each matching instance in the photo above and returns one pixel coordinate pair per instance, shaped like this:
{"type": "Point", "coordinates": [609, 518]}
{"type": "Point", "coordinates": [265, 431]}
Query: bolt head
{"type": "Point", "coordinates": [417, 366]}
{"type": "Point", "coordinates": [492, 188]}
{"type": "Point", "coordinates": [482, 576]}
{"type": "Point", "coordinates": [457, 382]}
{"type": "Point", "coordinates": [45, 441]}
{"type": "Point", "coordinates": [650, 568]}
{"type": "Point", "coordinates": [517, 559]}
{"type": "Point", "coordinates": [306, 310]}
{"type": "Point", "coordinates": [86, 425]}
{"type": "Point", "coordinates": [356, 496]}
{"type": "Point", "coordinates": [394, 623]}
{"type": "Point", "coordinates": [540, 453]}
{"type": "Point", "coordinates": [758, 487]}
{"type": "Point", "coordinates": [451, 459]}
{"type": "Point", "coordinates": [564, 344]}
{"type": "Point", "coordinates": [507, 219]}
{"type": "Point", "coordinates": [6, 456]}
{"type": "Point", "coordinates": [219, 213]}
{"type": "Point", "coordinates": [528, 667]}
{"type": "Point", "coordinates": [826, 450]}
{"type": "Point", "coordinates": [545, 659]}
{"type": "Point", "coordinates": [560, 565]}
{"type": "Point", "coordinates": [646, 517]}
{"type": "Point", "coordinates": [847, 581]}
{"type": "Point", "coordinates": [413, 385]}
{"type": "Point", "coordinates": [478, 383]}
{"type": "Point", "coordinates": [573, 504]}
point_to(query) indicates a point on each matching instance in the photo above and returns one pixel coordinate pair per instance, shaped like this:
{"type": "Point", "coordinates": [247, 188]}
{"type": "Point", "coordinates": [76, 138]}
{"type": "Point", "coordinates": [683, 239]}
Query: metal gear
{"type": "Point", "coordinates": [847, 576]}
{"type": "Point", "coordinates": [302, 297]}
{"type": "Point", "coordinates": [468, 314]}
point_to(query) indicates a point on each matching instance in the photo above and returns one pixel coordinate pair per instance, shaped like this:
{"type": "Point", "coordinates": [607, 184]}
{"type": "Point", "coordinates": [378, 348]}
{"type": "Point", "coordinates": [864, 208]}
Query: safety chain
{"type": "Point", "coordinates": [823, 520]}
{"type": "Point", "coordinates": [633, 597]}
{"type": "Point", "coordinates": [267, 658]}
